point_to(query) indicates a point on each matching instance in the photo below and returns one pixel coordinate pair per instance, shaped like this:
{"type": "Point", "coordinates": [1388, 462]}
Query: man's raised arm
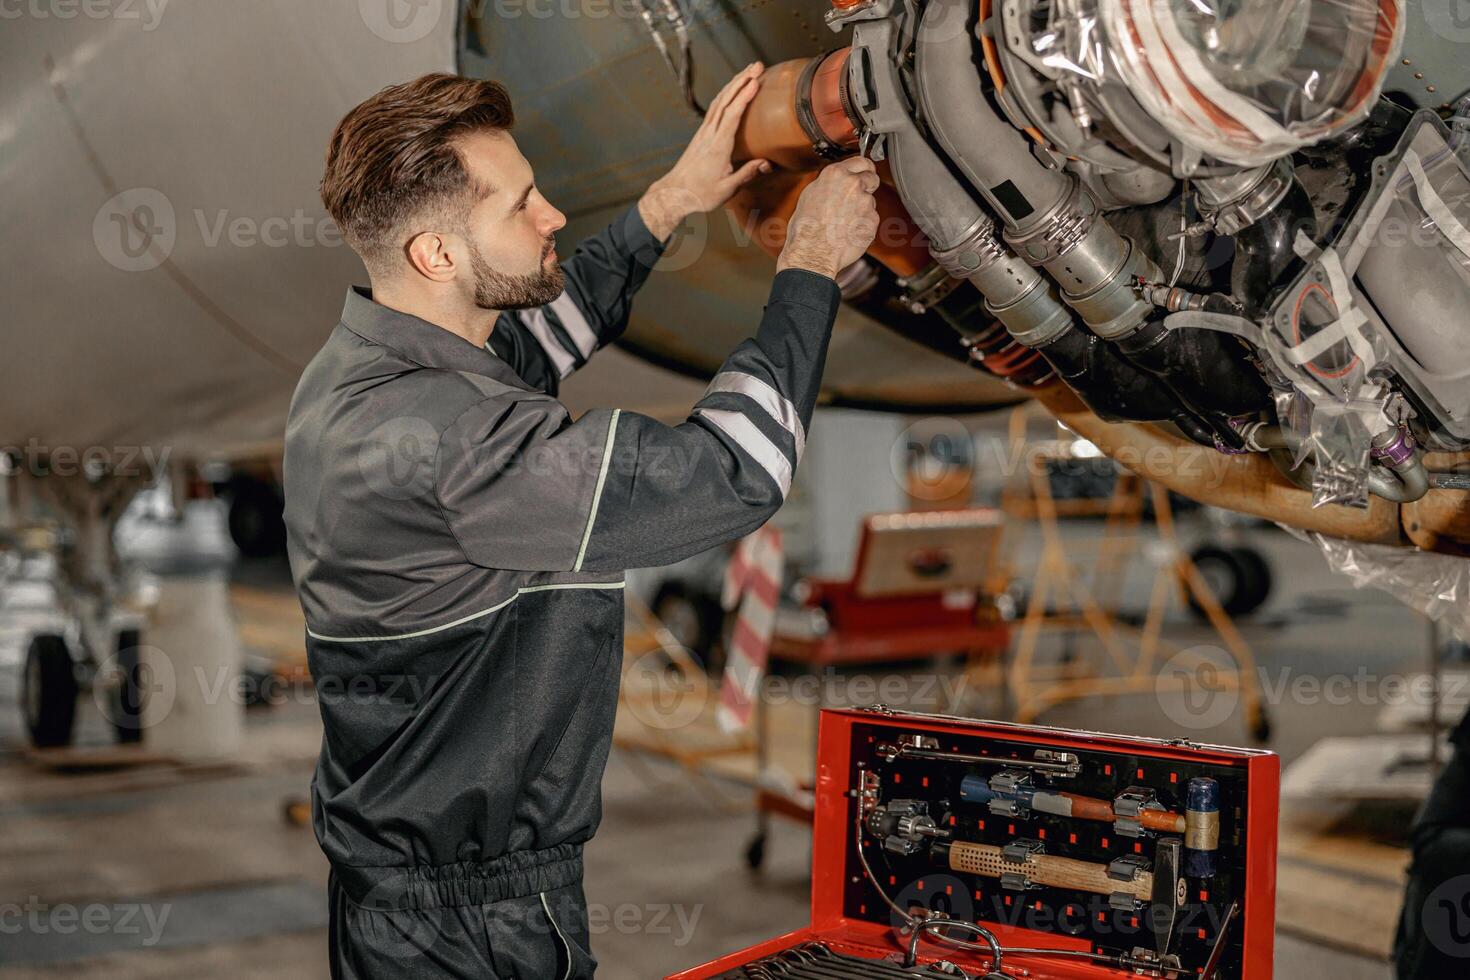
{"type": "Point", "coordinates": [522, 487]}
{"type": "Point", "coordinates": [547, 343]}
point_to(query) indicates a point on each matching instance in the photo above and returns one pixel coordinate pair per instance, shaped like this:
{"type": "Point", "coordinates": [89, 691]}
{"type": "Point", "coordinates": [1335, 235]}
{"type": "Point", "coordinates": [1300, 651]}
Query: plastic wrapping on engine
{"type": "Point", "coordinates": [1436, 585]}
{"type": "Point", "coordinates": [1240, 81]}
{"type": "Point", "coordinates": [1327, 401]}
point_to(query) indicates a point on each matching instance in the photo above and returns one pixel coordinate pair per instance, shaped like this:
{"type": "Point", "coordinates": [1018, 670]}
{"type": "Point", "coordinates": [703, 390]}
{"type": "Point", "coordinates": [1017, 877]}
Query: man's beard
{"type": "Point", "coordinates": [498, 291]}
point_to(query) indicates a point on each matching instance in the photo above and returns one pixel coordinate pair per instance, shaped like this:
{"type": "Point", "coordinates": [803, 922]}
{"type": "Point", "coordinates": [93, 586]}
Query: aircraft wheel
{"type": "Point", "coordinates": [1260, 726]}
{"type": "Point", "coordinates": [1239, 577]}
{"type": "Point", "coordinates": [256, 524]}
{"type": "Point", "coordinates": [49, 691]}
{"type": "Point", "coordinates": [127, 704]}
{"type": "Point", "coordinates": [695, 620]}
{"type": "Point", "coordinates": [755, 852]}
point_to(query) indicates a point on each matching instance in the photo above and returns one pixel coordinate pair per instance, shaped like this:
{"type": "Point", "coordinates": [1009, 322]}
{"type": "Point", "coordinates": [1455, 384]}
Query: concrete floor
{"type": "Point", "coordinates": [163, 873]}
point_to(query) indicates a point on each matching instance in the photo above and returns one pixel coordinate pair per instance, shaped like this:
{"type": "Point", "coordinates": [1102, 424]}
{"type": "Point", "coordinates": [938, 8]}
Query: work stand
{"type": "Point", "coordinates": [666, 708]}
{"type": "Point", "coordinates": [1063, 598]}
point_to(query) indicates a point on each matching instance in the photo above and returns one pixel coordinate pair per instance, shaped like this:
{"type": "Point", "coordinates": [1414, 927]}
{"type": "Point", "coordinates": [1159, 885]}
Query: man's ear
{"type": "Point", "coordinates": [432, 256]}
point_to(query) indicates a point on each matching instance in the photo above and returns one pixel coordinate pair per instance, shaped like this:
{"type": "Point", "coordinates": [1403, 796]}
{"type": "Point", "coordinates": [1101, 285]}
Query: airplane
{"type": "Point", "coordinates": [1175, 244]}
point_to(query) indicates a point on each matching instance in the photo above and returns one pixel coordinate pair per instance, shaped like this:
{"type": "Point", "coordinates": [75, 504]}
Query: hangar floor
{"type": "Point", "coordinates": [194, 872]}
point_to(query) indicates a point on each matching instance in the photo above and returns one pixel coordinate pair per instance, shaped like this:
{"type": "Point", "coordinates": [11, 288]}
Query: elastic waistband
{"type": "Point", "coordinates": [514, 875]}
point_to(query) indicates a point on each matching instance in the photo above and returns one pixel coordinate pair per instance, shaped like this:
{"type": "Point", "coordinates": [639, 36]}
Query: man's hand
{"type": "Point", "coordinates": [704, 176]}
{"type": "Point", "coordinates": [835, 219]}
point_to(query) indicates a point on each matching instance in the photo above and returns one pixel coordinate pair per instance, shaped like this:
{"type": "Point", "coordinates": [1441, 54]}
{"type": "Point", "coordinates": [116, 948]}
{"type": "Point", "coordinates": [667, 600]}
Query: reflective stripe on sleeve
{"type": "Point", "coordinates": [540, 327]}
{"type": "Point", "coordinates": [753, 441]}
{"type": "Point", "coordinates": [777, 406]}
{"type": "Point", "coordinates": [577, 327]}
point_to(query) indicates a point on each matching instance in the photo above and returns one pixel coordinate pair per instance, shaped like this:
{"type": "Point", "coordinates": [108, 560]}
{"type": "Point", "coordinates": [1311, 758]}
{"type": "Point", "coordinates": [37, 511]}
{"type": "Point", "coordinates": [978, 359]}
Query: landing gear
{"type": "Point", "coordinates": [49, 691]}
{"type": "Point", "coordinates": [85, 507]}
{"type": "Point", "coordinates": [50, 688]}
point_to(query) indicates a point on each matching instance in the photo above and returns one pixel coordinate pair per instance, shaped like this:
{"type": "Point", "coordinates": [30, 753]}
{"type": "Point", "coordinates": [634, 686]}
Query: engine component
{"type": "Point", "coordinates": [1193, 86]}
{"type": "Point", "coordinates": [1359, 333]}
{"type": "Point", "coordinates": [1054, 222]}
{"type": "Point", "coordinates": [963, 239]}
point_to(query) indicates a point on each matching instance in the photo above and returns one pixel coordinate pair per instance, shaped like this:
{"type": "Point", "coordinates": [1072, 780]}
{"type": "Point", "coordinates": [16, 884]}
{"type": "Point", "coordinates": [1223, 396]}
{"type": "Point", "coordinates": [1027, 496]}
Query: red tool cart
{"type": "Point", "coordinates": [941, 841]}
{"type": "Point", "coordinates": [924, 583]}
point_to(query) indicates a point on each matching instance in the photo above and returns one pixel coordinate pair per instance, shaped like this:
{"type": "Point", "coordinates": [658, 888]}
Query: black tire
{"type": "Point", "coordinates": [256, 519]}
{"type": "Point", "coordinates": [128, 699]}
{"type": "Point", "coordinates": [755, 852]}
{"type": "Point", "coordinates": [695, 619]}
{"type": "Point", "coordinates": [49, 692]}
{"type": "Point", "coordinates": [1239, 577]}
{"type": "Point", "coordinates": [1260, 727]}
{"type": "Point", "coordinates": [1256, 588]}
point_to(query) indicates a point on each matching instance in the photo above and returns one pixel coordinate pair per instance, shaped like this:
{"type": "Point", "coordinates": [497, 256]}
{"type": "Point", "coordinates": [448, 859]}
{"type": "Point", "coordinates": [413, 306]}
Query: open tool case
{"type": "Point", "coordinates": [1082, 855]}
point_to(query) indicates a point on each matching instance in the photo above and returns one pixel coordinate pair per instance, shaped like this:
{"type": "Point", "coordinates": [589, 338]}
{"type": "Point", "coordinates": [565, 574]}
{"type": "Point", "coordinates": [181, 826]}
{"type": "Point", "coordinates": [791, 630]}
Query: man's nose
{"type": "Point", "coordinates": [553, 221]}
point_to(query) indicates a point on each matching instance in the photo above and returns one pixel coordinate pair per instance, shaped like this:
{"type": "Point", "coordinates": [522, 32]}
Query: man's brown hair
{"type": "Point", "coordinates": [394, 157]}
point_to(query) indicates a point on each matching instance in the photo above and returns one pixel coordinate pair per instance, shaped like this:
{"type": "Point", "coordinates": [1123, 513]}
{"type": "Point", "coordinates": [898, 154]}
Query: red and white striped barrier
{"type": "Point", "coordinates": [753, 580]}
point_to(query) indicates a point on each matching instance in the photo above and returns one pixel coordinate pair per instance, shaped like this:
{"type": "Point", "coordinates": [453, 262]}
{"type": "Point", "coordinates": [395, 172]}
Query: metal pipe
{"type": "Point", "coordinates": [1051, 220]}
{"type": "Point", "coordinates": [1400, 475]}
{"type": "Point", "coordinates": [991, 153]}
{"type": "Point", "coordinates": [963, 240]}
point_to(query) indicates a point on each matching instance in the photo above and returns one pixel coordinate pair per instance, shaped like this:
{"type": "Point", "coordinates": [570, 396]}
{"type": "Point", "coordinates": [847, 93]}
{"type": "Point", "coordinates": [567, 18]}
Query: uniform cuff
{"type": "Point", "coordinates": [806, 288]}
{"type": "Point", "coordinates": [637, 239]}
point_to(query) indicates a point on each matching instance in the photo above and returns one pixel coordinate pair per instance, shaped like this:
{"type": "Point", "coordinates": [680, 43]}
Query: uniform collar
{"type": "Point", "coordinates": [420, 341]}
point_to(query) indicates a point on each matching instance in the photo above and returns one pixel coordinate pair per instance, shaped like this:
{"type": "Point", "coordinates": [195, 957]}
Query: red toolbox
{"type": "Point", "coordinates": [1081, 855]}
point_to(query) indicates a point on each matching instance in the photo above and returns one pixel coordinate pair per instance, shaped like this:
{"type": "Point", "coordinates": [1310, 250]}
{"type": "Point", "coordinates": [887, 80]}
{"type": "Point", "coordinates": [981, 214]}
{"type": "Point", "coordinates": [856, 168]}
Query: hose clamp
{"type": "Point", "coordinates": [1067, 226]}
{"type": "Point", "coordinates": [1235, 216]}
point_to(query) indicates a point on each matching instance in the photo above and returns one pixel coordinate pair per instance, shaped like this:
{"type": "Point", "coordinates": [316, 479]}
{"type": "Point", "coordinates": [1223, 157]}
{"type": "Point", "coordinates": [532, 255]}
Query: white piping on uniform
{"type": "Point", "coordinates": [777, 406]}
{"type": "Point", "coordinates": [540, 327]}
{"type": "Point", "coordinates": [612, 429]}
{"type": "Point", "coordinates": [576, 324]}
{"type": "Point", "coordinates": [755, 442]}
{"type": "Point", "coordinates": [559, 935]}
{"type": "Point", "coordinates": [465, 619]}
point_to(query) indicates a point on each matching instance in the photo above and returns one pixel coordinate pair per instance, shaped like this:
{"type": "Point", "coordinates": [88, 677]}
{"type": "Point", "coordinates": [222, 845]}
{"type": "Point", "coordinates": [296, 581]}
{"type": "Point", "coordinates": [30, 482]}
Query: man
{"type": "Point", "coordinates": [459, 542]}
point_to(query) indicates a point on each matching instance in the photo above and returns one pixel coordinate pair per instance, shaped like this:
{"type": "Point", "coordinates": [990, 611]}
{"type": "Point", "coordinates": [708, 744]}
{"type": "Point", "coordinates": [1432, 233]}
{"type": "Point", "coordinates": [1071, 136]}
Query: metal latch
{"type": "Point", "coordinates": [1072, 764]}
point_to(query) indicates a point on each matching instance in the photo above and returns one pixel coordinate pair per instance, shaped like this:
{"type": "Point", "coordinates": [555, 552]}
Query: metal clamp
{"type": "Point", "coordinates": [1021, 850]}
{"type": "Point", "coordinates": [1123, 902]}
{"type": "Point", "coordinates": [1015, 881]}
{"type": "Point", "coordinates": [1059, 233]}
{"type": "Point", "coordinates": [1233, 217]}
{"type": "Point", "coordinates": [1128, 810]}
{"type": "Point", "coordinates": [924, 289]}
{"type": "Point", "coordinates": [1009, 782]}
{"type": "Point", "coordinates": [1128, 867]}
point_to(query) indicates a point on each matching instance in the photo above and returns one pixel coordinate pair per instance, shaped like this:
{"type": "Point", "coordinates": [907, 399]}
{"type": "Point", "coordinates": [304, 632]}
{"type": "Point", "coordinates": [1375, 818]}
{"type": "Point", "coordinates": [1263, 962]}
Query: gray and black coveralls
{"type": "Point", "coordinates": [459, 543]}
